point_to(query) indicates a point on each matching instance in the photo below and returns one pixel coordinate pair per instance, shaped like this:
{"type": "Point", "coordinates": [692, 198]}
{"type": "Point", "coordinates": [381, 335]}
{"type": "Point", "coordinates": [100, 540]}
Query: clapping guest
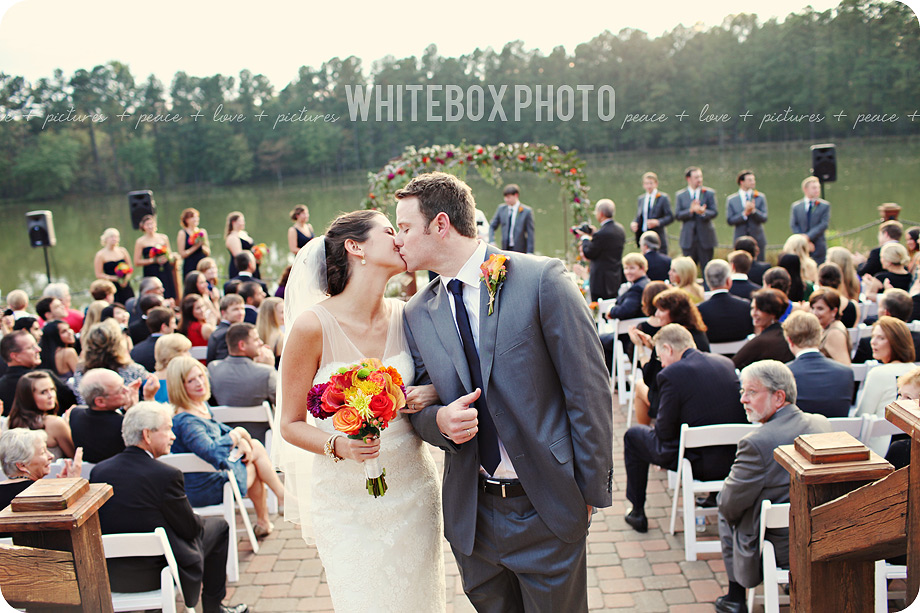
{"type": "Point", "coordinates": [58, 352]}
{"type": "Point", "coordinates": [894, 259]}
{"type": "Point", "coordinates": [682, 275]}
{"type": "Point", "coordinates": [830, 276]}
{"type": "Point", "coordinates": [167, 348]}
{"type": "Point", "coordinates": [270, 325]}
{"type": "Point", "coordinates": [152, 251]}
{"type": "Point", "coordinates": [835, 343]}
{"type": "Point", "coordinates": [25, 459]}
{"type": "Point", "coordinates": [112, 262]}
{"type": "Point", "coordinates": [197, 283]}
{"type": "Point", "coordinates": [767, 306]}
{"type": "Point", "coordinates": [105, 346]}
{"type": "Point", "coordinates": [192, 241]}
{"type": "Point", "coordinates": [35, 407]}
{"type": "Point", "coordinates": [301, 232]}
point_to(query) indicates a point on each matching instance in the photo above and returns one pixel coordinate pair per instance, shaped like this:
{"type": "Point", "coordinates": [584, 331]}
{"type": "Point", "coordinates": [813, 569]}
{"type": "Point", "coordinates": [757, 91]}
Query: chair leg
{"type": "Point", "coordinates": [881, 587]}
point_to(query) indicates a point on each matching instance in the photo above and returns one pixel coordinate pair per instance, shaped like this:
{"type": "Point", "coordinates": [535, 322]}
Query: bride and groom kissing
{"type": "Point", "coordinates": [509, 381]}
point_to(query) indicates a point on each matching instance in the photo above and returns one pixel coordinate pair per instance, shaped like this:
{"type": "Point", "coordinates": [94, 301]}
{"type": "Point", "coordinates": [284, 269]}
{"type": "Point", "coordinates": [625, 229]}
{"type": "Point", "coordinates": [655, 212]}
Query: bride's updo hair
{"type": "Point", "coordinates": [356, 226]}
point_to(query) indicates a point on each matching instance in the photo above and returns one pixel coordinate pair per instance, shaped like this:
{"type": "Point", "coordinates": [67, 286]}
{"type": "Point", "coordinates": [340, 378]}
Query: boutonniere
{"type": "Point", "coordinates": [520, 208]}
{"type": "Point", "coordinates": [493, 275]}
{"type": "Point", "coordinates": [754, 195]}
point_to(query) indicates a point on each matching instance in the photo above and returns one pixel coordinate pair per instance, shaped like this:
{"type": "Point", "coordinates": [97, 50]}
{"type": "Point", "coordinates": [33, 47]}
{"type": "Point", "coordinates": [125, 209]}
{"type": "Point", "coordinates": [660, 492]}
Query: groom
{"type": "Point", "coordinates": [528, 429]}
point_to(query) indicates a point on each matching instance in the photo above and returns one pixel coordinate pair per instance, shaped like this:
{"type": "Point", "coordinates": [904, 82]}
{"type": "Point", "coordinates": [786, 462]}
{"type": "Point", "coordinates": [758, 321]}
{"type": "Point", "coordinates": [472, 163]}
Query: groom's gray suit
{"type": "Point", "coordinates": [547, 390]}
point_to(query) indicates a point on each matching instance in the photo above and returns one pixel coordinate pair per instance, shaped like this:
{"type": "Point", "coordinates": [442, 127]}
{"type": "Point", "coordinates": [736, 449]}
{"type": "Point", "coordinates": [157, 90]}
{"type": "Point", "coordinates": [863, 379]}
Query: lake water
{"type": "Point", "coordinates": [869, 173]}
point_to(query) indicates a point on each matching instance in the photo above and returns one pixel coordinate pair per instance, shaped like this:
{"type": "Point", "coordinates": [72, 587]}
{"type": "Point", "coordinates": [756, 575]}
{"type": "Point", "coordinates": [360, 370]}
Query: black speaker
{"type": "Point", "coordinates": [141, 203]}
{"type": "Point", "coordinates": [824, 162]}
{"type": "Point", "coordinates": [41, 229]}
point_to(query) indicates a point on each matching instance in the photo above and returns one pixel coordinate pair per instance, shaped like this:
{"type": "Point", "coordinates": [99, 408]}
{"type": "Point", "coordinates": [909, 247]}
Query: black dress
{"type": "Point", "coordinates": [122, 294]}
{"type": "Point", "coordinates": [302, 239]}
{"type": "Point", "coordinates": [190, 263]}
{"type": "Point", "coordinates": [899, 281]}
{"type": "Point", "coordinates": [164, 273]}
{"type": "Point", "coordinates": [234, 271]}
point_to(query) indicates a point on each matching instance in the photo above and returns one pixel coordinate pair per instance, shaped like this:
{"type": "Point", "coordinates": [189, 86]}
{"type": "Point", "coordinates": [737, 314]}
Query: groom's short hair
{"type": "Point", "coordinates": [439, 192]}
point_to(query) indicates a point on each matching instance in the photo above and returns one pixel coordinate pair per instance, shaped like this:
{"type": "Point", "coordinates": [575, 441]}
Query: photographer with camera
{"type": "Point", "coordinates": [604, 248]}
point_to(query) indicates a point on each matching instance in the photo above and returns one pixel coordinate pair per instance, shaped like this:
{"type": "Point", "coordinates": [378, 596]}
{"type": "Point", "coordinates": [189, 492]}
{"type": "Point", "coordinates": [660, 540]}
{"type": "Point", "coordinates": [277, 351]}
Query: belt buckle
{"type": "Point", "coordinates": [503, 491]}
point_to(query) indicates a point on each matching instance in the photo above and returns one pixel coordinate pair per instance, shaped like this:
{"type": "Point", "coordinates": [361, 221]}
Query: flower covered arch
{"type": "Point", "coordinates": [565, 168]}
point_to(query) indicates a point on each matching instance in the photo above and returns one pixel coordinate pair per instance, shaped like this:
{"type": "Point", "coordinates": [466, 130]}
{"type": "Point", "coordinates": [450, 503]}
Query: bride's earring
{"type": "Point", "coordinates": [363, 261]}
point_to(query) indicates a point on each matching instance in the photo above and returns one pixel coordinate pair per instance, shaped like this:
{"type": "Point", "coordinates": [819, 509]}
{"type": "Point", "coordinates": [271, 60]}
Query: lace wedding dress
{"type": "Point", "coordinates": [380, 554]}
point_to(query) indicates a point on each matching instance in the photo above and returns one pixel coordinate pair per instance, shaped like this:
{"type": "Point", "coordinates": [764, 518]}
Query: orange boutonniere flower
{"type": "Point", "coordinates": [493, 275]}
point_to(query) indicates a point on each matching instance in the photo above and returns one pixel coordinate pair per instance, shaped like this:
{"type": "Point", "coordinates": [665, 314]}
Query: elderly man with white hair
{"type": "Point", "coordinates": [768, 393]}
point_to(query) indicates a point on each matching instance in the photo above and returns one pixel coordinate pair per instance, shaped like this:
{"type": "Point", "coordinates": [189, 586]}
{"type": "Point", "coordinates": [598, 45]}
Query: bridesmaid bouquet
{"type": "Point", "coordinates": [158, 251]}
{"type": "Point", "coordinates": [260, 251]}
{"type": "Point", "coordinates": [361, 399]}
{"type": "Point", "coordinates": [123, 271]}
{"type": "Point", "coordinates": [199, 236]}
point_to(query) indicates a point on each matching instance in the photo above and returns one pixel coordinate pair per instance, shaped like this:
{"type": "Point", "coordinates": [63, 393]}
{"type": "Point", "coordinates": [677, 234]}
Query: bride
{"type": "Point", "coordinates": [379, 554]}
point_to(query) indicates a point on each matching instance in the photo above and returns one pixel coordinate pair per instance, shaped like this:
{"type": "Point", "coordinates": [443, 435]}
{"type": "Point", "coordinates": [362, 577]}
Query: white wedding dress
{"type": "Point", "coordinates": [380, 554]}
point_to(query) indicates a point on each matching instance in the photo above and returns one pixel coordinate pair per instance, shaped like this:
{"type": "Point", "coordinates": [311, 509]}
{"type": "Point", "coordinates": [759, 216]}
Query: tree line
{"type": "Point", "coordinates": [101, 130]}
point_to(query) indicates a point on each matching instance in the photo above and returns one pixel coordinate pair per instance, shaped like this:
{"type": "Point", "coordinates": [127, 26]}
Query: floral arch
{"type": "Point", "coordinates": [565, 168]}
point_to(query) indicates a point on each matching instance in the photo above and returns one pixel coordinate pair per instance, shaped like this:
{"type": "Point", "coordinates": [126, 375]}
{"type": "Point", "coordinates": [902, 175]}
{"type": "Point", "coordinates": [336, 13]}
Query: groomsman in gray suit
{"type": "Point", "coordinates": [516, 220]}
{"type": "Point", "coordinates": [747, 211]}
{"type": "Point", "coordinates": [696, 208]}
{"type": "Point", "coordinates": [527, 427]}
{"type": "Point", "coordinates": [654, 211]}
{"type": "Point", "coordinates": [811, 216]}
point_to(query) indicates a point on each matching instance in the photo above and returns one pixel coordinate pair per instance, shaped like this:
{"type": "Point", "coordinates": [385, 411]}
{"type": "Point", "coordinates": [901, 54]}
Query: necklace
{"type": "Point", "coordinates": [20, 477]}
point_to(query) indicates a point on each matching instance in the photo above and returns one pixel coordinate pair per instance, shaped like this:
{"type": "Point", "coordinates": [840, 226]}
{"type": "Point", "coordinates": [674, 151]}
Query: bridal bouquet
{"type": "Point", "coordinates": [361, 399]}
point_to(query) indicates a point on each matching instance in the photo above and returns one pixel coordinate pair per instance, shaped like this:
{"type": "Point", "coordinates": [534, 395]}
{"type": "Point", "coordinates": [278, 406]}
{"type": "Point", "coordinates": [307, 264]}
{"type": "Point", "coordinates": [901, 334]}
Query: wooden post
{"type": "Point", "coordinates": [905, 414]}
{"type": "Point", "coordinates": [821, 470]}
{"type": "Point", "coordinates": [58, 561]}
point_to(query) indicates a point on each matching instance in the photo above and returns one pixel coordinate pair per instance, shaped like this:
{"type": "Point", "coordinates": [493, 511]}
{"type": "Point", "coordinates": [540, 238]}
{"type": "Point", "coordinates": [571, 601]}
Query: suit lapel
{"type": "Point", "coordinates": [488, 324]}
{"type": "Point", "coordinates": [446, 328]}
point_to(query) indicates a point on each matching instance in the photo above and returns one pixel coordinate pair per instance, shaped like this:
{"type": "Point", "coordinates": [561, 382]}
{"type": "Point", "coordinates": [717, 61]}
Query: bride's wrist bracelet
{"type": "Point", "coordinates": [329, 448]}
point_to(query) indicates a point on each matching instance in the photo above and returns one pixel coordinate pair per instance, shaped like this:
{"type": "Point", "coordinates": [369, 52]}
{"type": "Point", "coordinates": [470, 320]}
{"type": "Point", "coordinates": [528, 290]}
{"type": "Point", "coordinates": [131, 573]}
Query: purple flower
{"type": "Point", "coordinates": [315, 401]}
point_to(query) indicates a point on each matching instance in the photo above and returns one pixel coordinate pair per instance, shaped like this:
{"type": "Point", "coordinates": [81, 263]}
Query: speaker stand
{"type": "Point", "coordinates": [47, 266]}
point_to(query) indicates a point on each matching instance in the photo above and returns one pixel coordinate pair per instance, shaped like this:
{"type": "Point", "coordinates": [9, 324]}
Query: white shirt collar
{"type": "Point", "coordinates": [469, 273]}
{"type": "Point", "coordinates": [808, 350]}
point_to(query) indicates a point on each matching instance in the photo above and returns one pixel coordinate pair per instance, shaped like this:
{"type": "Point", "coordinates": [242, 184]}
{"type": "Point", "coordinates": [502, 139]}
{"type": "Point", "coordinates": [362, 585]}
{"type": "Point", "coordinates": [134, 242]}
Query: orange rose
{"type": "Point", "coordinates": [347, 420]}
{"type": "Point", "coordinates": [394, 374]}
{"type": "Point", "coordinates": [383, 406]}
{"type": "Point", "coordinates": [333, 399]}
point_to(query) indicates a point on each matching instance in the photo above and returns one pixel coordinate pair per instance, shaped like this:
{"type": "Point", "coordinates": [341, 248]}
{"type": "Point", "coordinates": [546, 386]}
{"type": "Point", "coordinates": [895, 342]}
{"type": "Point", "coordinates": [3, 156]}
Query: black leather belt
{"type": "Point", "coordinates": [504, 488]}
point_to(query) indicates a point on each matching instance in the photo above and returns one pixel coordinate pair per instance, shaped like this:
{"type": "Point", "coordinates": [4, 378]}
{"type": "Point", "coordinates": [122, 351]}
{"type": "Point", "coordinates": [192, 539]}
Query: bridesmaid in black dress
{"type": "Point", "coordinates": [192, 241]}
{"type": "Point", "coordinates": [237, 239]}
{"type": "Point", "coordinates": [160, 265]}
{"type": "Point", "coordinates": [112, 262]}
{"type": "Point", "coordinates": [301, 232]}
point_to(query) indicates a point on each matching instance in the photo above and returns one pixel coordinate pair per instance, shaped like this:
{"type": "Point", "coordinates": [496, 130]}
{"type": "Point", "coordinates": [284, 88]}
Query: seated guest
{"type": "Point", "coordinates": [22, 355]}
{"type": "Point", "coordinates": [149, 494]}
{"type": "Point", "coordinates": [94, 314]}
{"type": "Point", "coordinates": [683, 401]}
{"type": "Point", "coordinates": [835, 343]}
{"type": "Point", "coordinates": [103, 289]}
{"type": "Point", "coordinates": [798, 289]}
{"type": "Point", "coordinates": [648, 327]}
{"type": "Point", "coordinates": [31, 325]}
{"type": "Point", "coordinates": [682, 275]}
{"type": "Point", "coordinates": [119, 313]}
{"type": "Point", "coordinates": [769, 395]}
{"type": "Point", "coordinates": [741, 286]}
{"type": "Point", "coordinates": [169, 346]}
{"type": "Point", "coordinates": [197, 319]}
{"type": "Point", "coordinates": [96, 426]}
{"type": "Point", "coordinates": [57, 349]}
{"type": "Point", "coordinates": [659, 264]}
{"type": "Point", "coordinates": [197, 284]}
{"type": "Point", "coordinates": [894, 267]}
{"type": "Point", "coordinates": [778, 277]}
{"type": "Point", "coordinates": [35, 407]}
{"type": "Point", "coordinates": [18, 301]}
{"type": "Point", "coordinates": [800, 246]}
{"type": "Point", "coordinates": [24, 459]}
{"type": "Point", "coordinates": [830, 276]}
{"type": "Point", "coordinates": [160, 320]}
{"type": "Point", "coordinates": [246, 263]}
{"type": "Point", "coordinates": [842, 257]}
{"type": "Point", "coordinates": [825, 386]}
{"type": "Point", "coordinates": [893, 347]}
{"type": "Point", "coordinates": [197, 432]}
{"type": "Point", "coordinates": [889, 232]}
{"type": "Point", "coordinates": [908, 389]}
{"type": "Point", "coordinates": [758, 266]}
{"type": "Point", "coordinates": [727, 317]}
{"type": "Point", "coordinates": [105, 346]}
{"type": "Point", "coordinates": [895, 303]}
{"type": "Point", "coordinates": [61, 291]}
{"type": "Point", "coordinates": [148, 286]}
{"type": "Point", "coordinates": [231, 312]}
{"type": "Point", "coordinates": [767, 306]}
{"type": "Point", "coordinates": [50, 309]}
{"type": "Point", "coordinates": [253, 295]}
{"type": "Point", "coordinates": [282, 282]}
{"type": "Point", "coordinates": [270, 325]}
{"type": "Point", "coordinates": [138, 329]}
{"type": "Point", "coordinates": [629, 302]}
{"type": "Point", "coordinates": [912, 242]}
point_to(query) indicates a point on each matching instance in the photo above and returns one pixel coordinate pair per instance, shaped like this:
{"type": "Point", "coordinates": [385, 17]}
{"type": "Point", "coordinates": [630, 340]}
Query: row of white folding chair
{"type": "Point", "coordinates": [58, 465]}
{"type": "Point", "coordinates": [622, 362]}
{"type": "Point", "coordinates": [260, 413]}
{"type": "Point", "coordinates": [860, 371]}
{"type": "Point", "coordinates": [730, 348]}
{"type": "Point", "coordinates": [199, 352]}
{"type": "Point", "coordinates": [603, 307]}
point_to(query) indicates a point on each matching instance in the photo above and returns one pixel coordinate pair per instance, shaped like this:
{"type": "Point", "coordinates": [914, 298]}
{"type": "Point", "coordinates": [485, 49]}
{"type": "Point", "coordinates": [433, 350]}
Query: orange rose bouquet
{"type": "Point", "coordinates": [361, 399]}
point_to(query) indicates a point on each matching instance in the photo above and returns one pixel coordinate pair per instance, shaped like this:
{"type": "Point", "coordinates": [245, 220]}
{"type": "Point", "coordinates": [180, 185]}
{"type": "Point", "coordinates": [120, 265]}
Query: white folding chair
{"type": "Point", "coordinates": [199, 353]}
{"type": "Point", "coordinates": [880, 429]}
{"type": "Point", "coordinates": [855, 334]}
{"type": "Point", "coordinates": [621, 361]}
{"type": "Point", "coordinates": [233, 500]}
{"type": "Point", "coordinates": [142, 545]}
{"type": "Point", "coordinates": [603, 307]}
{"type": "Point", "coordinates": [851, 425]}
{"type": "Point", "coordinates": [633, 380]}
{"type": "Point", "coordinates": [772, 515]}
{"type": "Point", "coordinates": [727, 348]}
{"type": "Point", "coordinates": [260, 413]}
{"type": "Point", "coordinates": [914, 326]}
{"type": "Point", "coordinates": [58, 465]}
{"type": "Point", "coordinates": [692, 438]}
{"type": "Point", "coordinates": [883, 573]}
{"type": "Point", "coordinates": [859, 377]}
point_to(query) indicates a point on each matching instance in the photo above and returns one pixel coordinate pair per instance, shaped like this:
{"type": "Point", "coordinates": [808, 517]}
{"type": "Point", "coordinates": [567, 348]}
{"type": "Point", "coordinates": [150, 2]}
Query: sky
{"type": "Point", "coordinates": [276, 37]}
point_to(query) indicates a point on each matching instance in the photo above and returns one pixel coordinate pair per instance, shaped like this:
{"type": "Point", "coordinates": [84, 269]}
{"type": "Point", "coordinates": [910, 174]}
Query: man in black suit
{"type": "Point", "coordinates": [825, 386]}
{"type": "Point", "coordinates": [246, 264]}
{"type": "Point", "coordinates": [889, 232]}
{"type": "Point", "coordinates": [658, 263]}
{"type": "Point", "coordinates": [516, 220]}
{"type": "Point", "coordinates": [148, 286]}
{"type": "Point", "coordinates": [22, 354]}
{"type": "Point", "coordinates": [696, 208]}
{"type": "Point", "coordinates": [727, 317]}
{"type": "Point", "coordinates": [149, 494]}
{"type": "Point", "coordinates": [605, 250]}
{"type": "Point", "coordinates": [758, 267]}
{"type": "Point", "coordinates": [138, 330]}
{"type": "Point", "coordinates": [654, 212]}
{"type": "Point", "coordinates": [232, 311]}
{"type": "Point", "coordinates": [682, 401]}
{"type": "Point", "coordinates": [160, 320]}
{"type": "Point", "coordinates": [252, 295]}
{"type": "Point", "coordinates": [898, 304]}
{"type": "Point", "coordinates": [740, 262]}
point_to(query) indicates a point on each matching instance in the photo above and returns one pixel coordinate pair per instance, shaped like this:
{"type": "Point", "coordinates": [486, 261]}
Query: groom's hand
{"type": "Point", "coordinates": [459, 421]}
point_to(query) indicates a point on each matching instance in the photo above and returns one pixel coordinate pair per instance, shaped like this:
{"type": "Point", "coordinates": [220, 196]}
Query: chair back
{"type": "Point", "coordinates": [772, 515]}
{"type": "Point", "coordinates": [727, 348]}
{"type": "Point", "coordinates": [851, 425]}
{"type": "Point", "coordinates": [199, 352]}
{"type": "Point", "coordinates": [146, 544]}
{"type": "Point", "coordinates": [188, 463]}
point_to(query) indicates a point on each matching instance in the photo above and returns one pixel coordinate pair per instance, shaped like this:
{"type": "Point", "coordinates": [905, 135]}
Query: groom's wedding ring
{"type": "Point", "coordinates": [468, 432]}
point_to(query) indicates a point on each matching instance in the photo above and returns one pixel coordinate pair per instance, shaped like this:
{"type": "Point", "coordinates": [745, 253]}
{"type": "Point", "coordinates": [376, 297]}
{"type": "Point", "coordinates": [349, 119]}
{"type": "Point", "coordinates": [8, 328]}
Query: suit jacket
{"type": "Point", "coordinates": [755, 274]}
{"type": "Point", "coordinates": [244, 279]}
{"type": "Point", "coordinates": [138, 330]}
{"type": "Point", "coordinates": [546, 388]}
{"type": "Point", "coordinates": [743, 288]}
{"type": "Point", "coordinates": [629, 304]}
{"type": "Point", "coordinates": [824, 386]}
{"type": "Point", "coordinates": [727, 318]}
{"type": "Point", "coordinates": [150, 494]}
{"type": "Point", "coordinates": [605, 250]}
{"type": "Point", "coordinates": [217, 342]}
{"type": "Point", "coordinates": [523, 227]}
{"type": "Point", "coordinates": [751, 226]}
{"type": "Point", "coordinates": [143, 352]}
{"type": "Point", "coordinates": [660, 210]}
{"type": "Point", "coordinates": [770, 344]}
{"type": "Point", "coordinates": [814, 226]}
{"type": "Point", "coordinates": [864, 348]}
{"type": "Point", "coordinates": [682, 400]}
{"type": "Point", "coordinates": [755, 476]}
{"type": "Point", "coordinates": [697, 228]}
{"type": "Point", "coordinates": [251, 314]}
{"type": "Point", "coordinates": [658, 266]}
{"type": "Point", "coordinates": [238, 381]}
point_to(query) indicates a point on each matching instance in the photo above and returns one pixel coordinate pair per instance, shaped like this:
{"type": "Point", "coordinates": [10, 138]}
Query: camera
{"type": "Point", "coordinates": [584, 228]}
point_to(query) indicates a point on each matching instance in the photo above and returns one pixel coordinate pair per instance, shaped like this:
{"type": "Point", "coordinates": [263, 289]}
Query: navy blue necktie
{"type": "Point", "coordinates": [489, 455]}
{"type": "Point", "coordinates": [808, 206]}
